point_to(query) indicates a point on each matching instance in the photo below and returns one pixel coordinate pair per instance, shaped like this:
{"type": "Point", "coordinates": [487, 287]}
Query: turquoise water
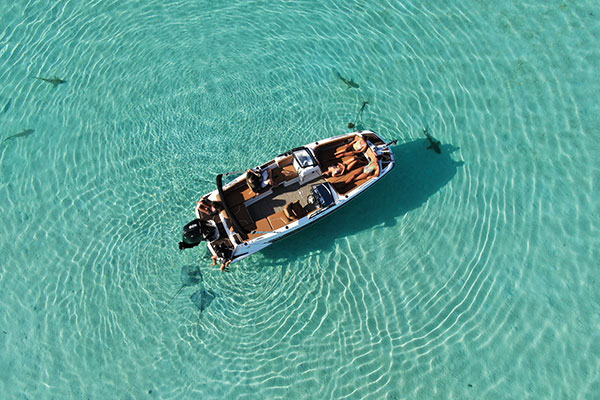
{"type": "Point", "coordinates": [470, 274]}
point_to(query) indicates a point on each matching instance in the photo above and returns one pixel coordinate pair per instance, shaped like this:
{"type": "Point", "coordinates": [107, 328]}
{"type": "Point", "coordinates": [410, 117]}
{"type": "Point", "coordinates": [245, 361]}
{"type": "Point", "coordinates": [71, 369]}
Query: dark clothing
{"type": "Point", "coordinates": [254, 180]}
{"type": "Point", "coordinates": [223, 252]}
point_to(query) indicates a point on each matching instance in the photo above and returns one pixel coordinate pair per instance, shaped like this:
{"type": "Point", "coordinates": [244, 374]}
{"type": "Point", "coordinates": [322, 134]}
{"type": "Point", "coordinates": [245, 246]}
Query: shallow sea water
{"type": "Point", "coordinates": [470, 274]}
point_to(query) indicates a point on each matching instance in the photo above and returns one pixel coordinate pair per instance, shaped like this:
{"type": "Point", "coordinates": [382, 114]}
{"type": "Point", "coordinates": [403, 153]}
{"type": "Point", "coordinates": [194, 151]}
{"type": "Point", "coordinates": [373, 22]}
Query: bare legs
{"type": "Point", "coordinates": [224, 264]}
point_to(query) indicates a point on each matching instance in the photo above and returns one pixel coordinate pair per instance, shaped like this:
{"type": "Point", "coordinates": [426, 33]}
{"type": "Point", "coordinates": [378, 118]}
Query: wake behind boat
{"type": "Point", "coordinates": [295, 189]}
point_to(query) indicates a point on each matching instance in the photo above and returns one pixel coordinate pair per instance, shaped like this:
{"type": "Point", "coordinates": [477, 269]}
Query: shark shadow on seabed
{"type": "Point", "coordinates": [419, 173]}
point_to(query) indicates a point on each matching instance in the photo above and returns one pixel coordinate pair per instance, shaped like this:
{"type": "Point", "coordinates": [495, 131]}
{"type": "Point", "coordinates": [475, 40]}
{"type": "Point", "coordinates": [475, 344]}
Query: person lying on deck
{"type": "Point", "coordinates": [358, 145]}
{"type": "Point", "coordinates": [341, 167]}
{"type": "Point", "coordinates": [371, 169]}
{"type": "Point", "coordinates": [335, 170]}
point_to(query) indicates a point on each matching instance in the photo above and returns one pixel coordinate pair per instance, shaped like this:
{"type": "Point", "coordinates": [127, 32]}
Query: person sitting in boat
{"type": "Point", "coordinates": [335, 170]}
{"type": "Point", "coordinates": [371, 169]}
{"type": "Point", "coordinates": [341, 167]}
{"type": "Point", "coordinates": [358, 145]}
{"type": "Point", "coordinates": [223, 256]}
{"type": "Point", "coordinates": [255, 181]}
{"type": "Point", "coordinates": [209, 207]}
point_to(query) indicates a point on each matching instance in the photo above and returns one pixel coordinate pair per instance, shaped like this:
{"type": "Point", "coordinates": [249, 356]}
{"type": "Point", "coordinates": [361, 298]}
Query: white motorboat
{"type": "Point", "coordinates": [284, 195]}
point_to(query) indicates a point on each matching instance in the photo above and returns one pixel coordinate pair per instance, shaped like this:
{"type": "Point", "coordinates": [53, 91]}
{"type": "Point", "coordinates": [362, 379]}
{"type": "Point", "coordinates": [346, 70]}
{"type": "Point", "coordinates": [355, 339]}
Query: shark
{"type": "Point", "coordinates": [25, 133]}
{"type": "Point", "coordinates": [433, 143]}
{"type": "Point", "coordinates": [350, 83]}
{"type": "Point", "coordinates": [55, 81]}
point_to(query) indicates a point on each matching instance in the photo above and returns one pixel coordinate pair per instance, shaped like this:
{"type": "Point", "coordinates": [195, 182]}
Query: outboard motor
{"type": "Point", "coordinates": [197, 231]}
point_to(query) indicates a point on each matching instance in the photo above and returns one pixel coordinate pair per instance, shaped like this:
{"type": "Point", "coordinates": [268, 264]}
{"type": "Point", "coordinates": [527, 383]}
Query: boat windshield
{"type": "Point", "coordinates": [304, 158]}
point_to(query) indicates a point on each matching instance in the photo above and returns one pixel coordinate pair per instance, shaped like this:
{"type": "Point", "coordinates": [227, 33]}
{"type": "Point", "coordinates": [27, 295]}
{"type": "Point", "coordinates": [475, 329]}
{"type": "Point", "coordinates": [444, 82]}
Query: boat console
{"type": "Point", "coordinates": [306, 166]}
{"type": "Point", "coordinates": [320, 196]}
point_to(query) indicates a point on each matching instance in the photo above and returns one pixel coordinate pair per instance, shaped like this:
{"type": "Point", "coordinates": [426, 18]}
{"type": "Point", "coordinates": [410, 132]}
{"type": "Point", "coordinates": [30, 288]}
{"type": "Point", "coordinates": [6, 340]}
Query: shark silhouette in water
{"type": "Point", "coordinates": [55, 81]}
{"type": "Point", "coordinates": [25, 133]}
{"type": "Point", "coordinates": [350, 83]}
{"type": "Point", "coordinates": [433, 143]}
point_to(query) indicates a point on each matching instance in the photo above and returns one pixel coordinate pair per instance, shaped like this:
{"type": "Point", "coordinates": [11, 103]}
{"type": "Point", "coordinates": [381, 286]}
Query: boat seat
{"type": "Point", "coordinates": [277, 176]}
{"type": "Point", "coordinates": [239, 237]}
{"type": "Point", "coordinates": [243, 216]}
{"type": "Point", "coordinates": [278, 220]}
{"type": "Point", "coordinates": [262, 226]}
{"type": "Point", "coordinates": [338, 182]}
{"type": "Point", "coordinates": [290, 172]}
{"type": "Point", "coordinates": [284, 174]}
{"type": "Point", "coordinates": [233, 195]}
{"type": "Point", "coordinates": [326, 153]}
{"type": "Point", "coordinates": [343, 188]}
{"type": "Point", "coordinates": [294, 211]}
{"type": "Point", "coordinates": [340, 179]}
{"type": "Point", "coordinates": [287, 160]}
{"type": "Point", "coordinates": [247, 193]}
{"type": "Point", "coordinates": [240, 193]}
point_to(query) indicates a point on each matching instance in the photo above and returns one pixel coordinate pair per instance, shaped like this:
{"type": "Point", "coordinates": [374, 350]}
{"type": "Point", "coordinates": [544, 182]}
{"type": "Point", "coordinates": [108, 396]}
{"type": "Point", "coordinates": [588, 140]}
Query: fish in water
{"type": "Point", "coordinates": [190, 276]}
{"type": "Point", "coordinates": [26, 132]}
{"type": "Point", "coordinates": [202, 299]}
{"type": "Point", "coordinates": [350, 83]}
{"type": "Point", "coordinates": [433, 143]}
{"type": "Point", "coordinates": [55, 81]}
{"type": "Point", "coordinates": [7, 106]}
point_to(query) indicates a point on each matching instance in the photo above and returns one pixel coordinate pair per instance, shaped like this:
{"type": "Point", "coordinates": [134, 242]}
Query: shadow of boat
{"type": "Point", "coordinates": [419, 173]}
